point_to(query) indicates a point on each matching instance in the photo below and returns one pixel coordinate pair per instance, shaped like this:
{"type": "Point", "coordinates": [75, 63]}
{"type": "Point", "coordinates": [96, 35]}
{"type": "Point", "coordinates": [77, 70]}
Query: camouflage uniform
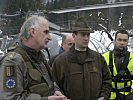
{"type": "Point", "coordinates": [25, 75]}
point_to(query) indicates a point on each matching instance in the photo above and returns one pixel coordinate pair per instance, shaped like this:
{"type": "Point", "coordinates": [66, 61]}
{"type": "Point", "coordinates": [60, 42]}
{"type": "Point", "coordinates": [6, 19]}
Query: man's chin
{"type": "Point", "coordinates": [122, 48]}
{"type": "Point", "coordinates": [45, 47]}
{"type": "Point", "coordinates": [85, 46]}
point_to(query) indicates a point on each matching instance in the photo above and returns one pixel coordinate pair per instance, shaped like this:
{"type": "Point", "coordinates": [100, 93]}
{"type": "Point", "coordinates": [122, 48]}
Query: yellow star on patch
{"type": "Point", "coordinates": [11, 56]}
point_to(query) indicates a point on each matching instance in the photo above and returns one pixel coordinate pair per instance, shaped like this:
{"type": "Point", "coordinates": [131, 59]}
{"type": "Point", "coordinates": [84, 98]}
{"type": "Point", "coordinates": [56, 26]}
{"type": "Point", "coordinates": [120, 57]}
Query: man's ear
{"type": "Point", "coordinates": [32, 32]}
{"type": "Point", "coordinates": [73, 35]}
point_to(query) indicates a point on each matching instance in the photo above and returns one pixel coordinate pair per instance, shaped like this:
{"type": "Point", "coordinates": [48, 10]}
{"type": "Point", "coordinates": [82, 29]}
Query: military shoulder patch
{"type": "Point", "coordinates": [10, 83]}
{"type": "Point", "coordinates": [9, 71]}
{"type": "Point", "coordinates": [9, 79]}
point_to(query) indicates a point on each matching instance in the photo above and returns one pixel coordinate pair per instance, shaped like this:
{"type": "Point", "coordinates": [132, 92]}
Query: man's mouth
{"type": "Point", "coordinates": [121, 48]}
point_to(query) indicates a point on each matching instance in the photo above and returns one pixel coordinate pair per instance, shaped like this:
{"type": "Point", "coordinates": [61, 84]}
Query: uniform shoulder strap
{"type": "Point", "coordinates": [125, 63]}
{"type": "Point", "coordinates": [111, 62]}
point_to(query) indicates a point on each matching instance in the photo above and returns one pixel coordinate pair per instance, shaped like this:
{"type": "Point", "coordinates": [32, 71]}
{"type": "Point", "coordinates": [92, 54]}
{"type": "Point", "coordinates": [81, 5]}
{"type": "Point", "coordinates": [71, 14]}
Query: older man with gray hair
{"type": "Point", "coordinates": [25, 72]}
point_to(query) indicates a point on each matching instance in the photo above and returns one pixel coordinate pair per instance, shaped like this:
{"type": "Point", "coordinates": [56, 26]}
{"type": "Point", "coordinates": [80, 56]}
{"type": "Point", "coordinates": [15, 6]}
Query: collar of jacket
{"type": "Point", "coordinates": [74, 58]}
{"type": "Point", "coordinates": [61, 50]}
{"type": "Point", "coordinates": [33, 54]}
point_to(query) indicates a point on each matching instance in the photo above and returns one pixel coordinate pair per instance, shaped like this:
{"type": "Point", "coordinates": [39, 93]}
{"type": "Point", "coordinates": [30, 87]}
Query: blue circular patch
{"type": "Point", "coordinates": [10, 83]}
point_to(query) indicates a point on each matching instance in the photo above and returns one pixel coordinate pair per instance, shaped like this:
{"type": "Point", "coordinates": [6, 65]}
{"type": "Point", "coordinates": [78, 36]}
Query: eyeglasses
{"type": "Point", "coordinates": [124, 40]}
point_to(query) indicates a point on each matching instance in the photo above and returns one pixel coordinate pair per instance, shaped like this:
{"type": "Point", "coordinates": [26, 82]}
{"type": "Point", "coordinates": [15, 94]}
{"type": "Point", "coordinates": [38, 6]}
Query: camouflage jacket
{"type": "Point", "coordinates": [25, 75]}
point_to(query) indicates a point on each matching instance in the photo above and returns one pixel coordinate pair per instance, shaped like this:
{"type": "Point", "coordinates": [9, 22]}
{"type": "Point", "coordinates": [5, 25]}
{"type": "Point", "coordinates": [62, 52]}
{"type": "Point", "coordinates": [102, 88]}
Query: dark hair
{"type": "Point", "coordinates": [122, 32]}
{"type": "Point", "coordinates": [75, 32]}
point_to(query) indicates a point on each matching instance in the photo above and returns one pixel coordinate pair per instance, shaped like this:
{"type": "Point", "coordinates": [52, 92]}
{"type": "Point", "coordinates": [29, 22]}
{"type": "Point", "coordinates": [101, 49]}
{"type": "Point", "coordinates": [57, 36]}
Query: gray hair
{"type": "Point", "coordinates": [31, 22]}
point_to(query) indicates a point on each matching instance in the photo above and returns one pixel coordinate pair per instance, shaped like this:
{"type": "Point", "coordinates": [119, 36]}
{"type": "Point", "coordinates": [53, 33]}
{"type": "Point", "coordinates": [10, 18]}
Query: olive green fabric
{"type": "Point", "coordinates": [9, 77]}
{"type": "Point", "coordinates": [81, 79]}
{"type": "Point", "coordinates": [81, 25]}
{"type": "Point", "coordinates": [36, 75]}
{"type": "Point", "coordinates": [23, 77]}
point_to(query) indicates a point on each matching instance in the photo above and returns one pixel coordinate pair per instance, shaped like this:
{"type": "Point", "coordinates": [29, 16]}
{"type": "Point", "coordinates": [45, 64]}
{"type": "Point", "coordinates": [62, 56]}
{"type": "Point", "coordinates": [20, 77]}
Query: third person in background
{"type": "Point", "coordinates": [67, 42]}
{"type": "Point", "coordinates": [120, 62]}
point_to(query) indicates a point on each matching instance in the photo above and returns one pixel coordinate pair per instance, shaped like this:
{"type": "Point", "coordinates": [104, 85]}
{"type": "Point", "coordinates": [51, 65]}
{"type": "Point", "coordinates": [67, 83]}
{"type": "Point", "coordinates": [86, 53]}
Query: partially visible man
{"type": "Point", "coordinates": [82, 73]}
{"type": "Point", "coordinates": [67, 42]}
{"type": "Point", "coordinates": [120, 62]}
{"type": "Point", "coordinates": [25, 72]}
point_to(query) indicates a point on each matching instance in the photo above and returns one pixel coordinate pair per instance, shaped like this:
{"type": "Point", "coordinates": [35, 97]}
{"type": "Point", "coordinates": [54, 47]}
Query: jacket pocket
{"type": "Point", "coordinates": [75, 85]}
{"type": "Point", "coordinates": [35, 75]}
{"type": "Point", "coordinates": [41, 89]}
{"type": "Point", "coordinates": [95, 82]}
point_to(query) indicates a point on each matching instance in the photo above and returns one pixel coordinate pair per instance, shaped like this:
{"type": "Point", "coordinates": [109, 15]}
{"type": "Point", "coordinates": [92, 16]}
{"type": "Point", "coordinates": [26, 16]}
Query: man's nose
{"type": "Point", "coordinates": [49, 37]}
{"type": "Point", "coordinates": [122, 42]}
{"type": "Point", "coordinates": [86, 37]}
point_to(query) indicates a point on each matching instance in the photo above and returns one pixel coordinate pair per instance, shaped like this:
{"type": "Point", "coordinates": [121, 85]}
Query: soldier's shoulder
{"type": "Point", "coordinates": [12, 52]}
{"type": "Point", "coordinates": [12, 56]}
{"type": "Point", "coordinates": [12, 48]}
